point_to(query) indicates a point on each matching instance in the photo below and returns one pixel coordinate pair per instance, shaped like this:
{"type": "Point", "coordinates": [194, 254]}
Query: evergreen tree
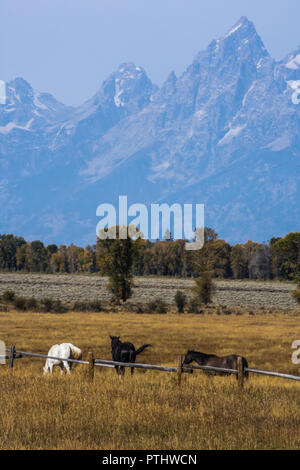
{"type": "Point", "coordinates": [115, 259]}
{"type": "Point", "coordinates": [203, 288]}
{"type": "Point", "coordinates": [180, 300]}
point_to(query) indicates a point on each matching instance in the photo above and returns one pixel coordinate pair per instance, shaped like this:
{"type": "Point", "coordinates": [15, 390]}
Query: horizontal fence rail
{"type": "Point", "coordinates": [273, 374]}
{"type": "Point", "coordinates": [12, 353]}
{"type": "Point", "coordinates": [7, 356]}
{"type": "Point", "coordinates": [210, 368]}
{"type": "Point", "coordinates": [29, 354]}
{"type": "Point", "coordinates": [102, 362]}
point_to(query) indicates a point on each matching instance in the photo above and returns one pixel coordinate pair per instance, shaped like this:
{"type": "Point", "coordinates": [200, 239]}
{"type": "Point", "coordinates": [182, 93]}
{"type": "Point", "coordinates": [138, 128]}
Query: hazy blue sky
{"type": "Point", "coordinates": [68, 47]}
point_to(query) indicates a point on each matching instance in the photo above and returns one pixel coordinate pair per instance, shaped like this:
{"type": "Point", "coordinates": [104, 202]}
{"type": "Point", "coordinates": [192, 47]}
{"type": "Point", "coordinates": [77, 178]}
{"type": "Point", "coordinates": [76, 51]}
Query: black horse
{"type": "Point", "coordinates": [124, 352]}
{"type": "Point", "coordinates": [226, 362]}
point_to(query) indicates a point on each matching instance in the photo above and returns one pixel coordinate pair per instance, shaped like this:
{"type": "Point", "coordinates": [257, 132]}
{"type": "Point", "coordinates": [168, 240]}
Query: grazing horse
{"type": "Point", "coordinates": [226, 362]}
{"type": "Point", "coordinates": [64, 351]}
{"type": "Point", "coordinates": [124, 352]}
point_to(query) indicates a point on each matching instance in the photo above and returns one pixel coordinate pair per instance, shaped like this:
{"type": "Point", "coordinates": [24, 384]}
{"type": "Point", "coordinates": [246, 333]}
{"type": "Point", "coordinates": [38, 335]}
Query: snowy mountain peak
{"type": "Point", "coordinates": [167, 90]}
{"type": "Point", "coordinates": [241, 38]}
{"type": "Point", "coordinates": [28, 110]}
{"type": "Point", "coordinates": [130, 70]}
{"type": "Point", "coordinates": [129, 88]}
{"type": "Point", "coordinates": [126, 79]}
{"type": "Point", "coordinates": [225, 133]}
{"type": "Point", "coordinates": [240, 45]}
{"type": "Point", "coordinates": [241, 27]}
{"type": "Point", "coordinates": [19, 90]}
{"type": "Point", "coordinates": [172, 78]}
{"type": "Point", "coordinates": [20, 84]}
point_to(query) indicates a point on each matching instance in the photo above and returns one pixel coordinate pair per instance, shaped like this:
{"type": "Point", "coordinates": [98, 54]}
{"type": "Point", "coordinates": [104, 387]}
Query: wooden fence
{"type": "Point", "coordinates": [12, 354]}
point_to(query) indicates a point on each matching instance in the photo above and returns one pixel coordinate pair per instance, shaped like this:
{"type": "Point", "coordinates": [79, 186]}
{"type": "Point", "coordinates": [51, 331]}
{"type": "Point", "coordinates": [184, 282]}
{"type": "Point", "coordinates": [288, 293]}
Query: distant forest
{"type": "Point", "coordinates": [277, 259]}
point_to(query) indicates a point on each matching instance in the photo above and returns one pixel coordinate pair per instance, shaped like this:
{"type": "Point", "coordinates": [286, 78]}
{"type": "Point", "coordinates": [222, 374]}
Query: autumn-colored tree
{"type": "Point", "coordinates": [59, 260]}
{"type": "Point", "coordinates": [8, 248]}
{"type": "Point", "coordinates": [239, 262]}
{"type": "Point", "coordinates": [280, 258]}
{"type": "Point", "coordinates": [259, 265]}
{"type": "Point", "coordinates": [21, 258]}
{"type": "Point", "coordinates": [52, 248]}
{"type": "Point", "coordinates": [39, 256]}
{"type": "Point", "coordinates": [87, 260]}
{"type": "Point", "coordinates": [73, 255]}
{"type": "Point", "coordinates": [286, 256]}
{"type": "Point", "coordinates": [214, 257]}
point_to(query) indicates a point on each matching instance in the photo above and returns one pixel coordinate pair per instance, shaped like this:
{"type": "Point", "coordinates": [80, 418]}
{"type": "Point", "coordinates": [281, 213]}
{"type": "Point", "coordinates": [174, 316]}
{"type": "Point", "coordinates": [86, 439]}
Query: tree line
{"type": "Point", "coordinates": [277, 259]}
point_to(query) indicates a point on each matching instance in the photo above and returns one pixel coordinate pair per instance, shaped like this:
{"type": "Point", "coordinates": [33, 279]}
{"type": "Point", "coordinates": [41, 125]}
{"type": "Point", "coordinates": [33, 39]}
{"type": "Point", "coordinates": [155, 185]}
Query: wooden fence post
{"type": "Point", "coordinates": [91, 360]}
{"type": "Point", "coordinates": [240, 377]}
{"type": "Point", "coordinates": [179, 369]}
{"type": "Point", "coordinates": [11, 357]}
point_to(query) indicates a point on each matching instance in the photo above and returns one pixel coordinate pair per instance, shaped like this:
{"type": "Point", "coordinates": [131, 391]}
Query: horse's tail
{"type": "Point", "coordinates": [76, 353]}
{"type": "Point", "coordinates": [141, 349]}
{"type": "Point", "coordinates": [132, 355]}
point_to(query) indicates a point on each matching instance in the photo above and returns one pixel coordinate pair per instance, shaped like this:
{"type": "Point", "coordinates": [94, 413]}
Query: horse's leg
{"type": "Point", "coordinates": [46, 368]}
{"type": "Point", "coordinates": [117, 369]}
{"type": "Point", "coordinates": [187, 363]}
{"type": "Point", "coordinates": [121, 373]}
{"type": "Point", "coordinates": [67, 367]}
{"type": "Point", "coordinates": [61, 368]}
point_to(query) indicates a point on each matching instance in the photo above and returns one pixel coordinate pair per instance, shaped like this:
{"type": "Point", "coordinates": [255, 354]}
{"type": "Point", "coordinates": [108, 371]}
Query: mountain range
{"type": "Point", "coordinates": [225, 133]}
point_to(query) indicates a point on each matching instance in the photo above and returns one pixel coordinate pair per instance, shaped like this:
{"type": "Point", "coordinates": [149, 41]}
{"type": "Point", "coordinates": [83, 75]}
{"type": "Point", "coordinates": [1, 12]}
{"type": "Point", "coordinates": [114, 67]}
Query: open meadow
{"type": "Point", "coordinates": [70, 287]}
{"type": "Point", "coordinates": [150, 411]}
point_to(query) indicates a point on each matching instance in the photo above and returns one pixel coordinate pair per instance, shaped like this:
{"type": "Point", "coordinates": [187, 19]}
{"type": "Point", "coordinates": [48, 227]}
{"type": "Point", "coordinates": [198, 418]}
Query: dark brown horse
{"type": "Point", "coordinates": [226, 362]}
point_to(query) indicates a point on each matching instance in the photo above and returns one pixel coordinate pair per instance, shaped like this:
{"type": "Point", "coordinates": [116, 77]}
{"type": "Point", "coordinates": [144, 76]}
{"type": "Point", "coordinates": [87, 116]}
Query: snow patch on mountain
{"type": "Point", "coordinates": [247, 93]}
{"type": "Point", "coordinates": [294, 84]}
{"type": "Point", "coordinates": [233, 30]}
{"type": "Point", "coordinates": [294, 63]}
{"type": "Point", "coordinates": [119, 92]}
{"type": "Point", "coordinates": [234, 132]}
{"type": "Point", "coordinates": [12, 125]}
{"type": "Point", "coordinates": [279, 144]}
{"type": "Point", "coordinates": [259, 63]}
{"type": "Point", "coordinates": [37, 102]}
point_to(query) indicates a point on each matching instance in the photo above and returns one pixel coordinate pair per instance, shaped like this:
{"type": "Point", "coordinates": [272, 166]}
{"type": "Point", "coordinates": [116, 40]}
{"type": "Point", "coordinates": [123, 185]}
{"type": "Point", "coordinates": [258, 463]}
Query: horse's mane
{"type": "Point", "coordinates": [76, 353]}
{"type": "Point", "coordinates": [199, 353]}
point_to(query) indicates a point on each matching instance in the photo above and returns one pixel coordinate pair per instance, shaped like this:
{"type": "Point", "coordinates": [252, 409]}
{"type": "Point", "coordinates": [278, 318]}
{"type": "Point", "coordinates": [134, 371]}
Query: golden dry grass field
{"type": "Point", "coordinates": [150, 411]}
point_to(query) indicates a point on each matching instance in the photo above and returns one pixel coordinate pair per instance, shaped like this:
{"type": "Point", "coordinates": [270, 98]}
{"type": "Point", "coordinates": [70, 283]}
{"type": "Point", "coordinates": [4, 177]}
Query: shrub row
{"type": "Point", "coordinates": [47, 305]}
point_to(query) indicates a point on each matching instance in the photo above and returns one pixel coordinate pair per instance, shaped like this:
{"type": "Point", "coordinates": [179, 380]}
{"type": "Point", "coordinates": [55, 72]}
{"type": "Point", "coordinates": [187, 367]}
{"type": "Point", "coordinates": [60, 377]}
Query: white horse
{"type": "Point", "coordinates": [64, 351]}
